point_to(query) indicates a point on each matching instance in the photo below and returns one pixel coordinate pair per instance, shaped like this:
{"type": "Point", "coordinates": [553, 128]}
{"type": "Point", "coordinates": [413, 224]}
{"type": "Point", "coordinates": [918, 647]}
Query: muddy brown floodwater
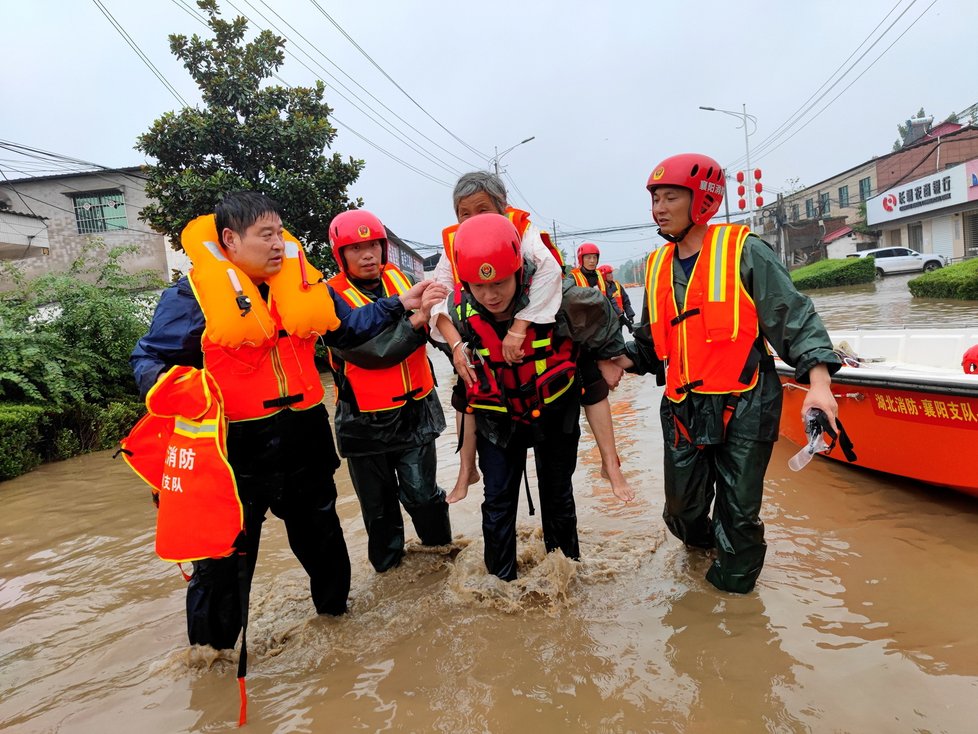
{"type": "Point", "coordinates": [863, 619]}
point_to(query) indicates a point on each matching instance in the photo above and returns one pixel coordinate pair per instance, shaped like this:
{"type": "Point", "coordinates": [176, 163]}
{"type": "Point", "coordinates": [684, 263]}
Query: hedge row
{"type": "Point", "coordinates": [832, 273]}
{"type": "Point", "coordinates": [955, 281]}
{"type": "Point", "coordinates": [33, 434]}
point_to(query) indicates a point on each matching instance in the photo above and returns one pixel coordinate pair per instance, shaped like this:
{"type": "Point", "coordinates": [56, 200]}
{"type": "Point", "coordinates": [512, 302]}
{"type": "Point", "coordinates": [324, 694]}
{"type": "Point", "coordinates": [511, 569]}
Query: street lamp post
{"type": "Point", "coordinates": [745, 117]}
{"type": "Point", "coordinates": [495, 159]}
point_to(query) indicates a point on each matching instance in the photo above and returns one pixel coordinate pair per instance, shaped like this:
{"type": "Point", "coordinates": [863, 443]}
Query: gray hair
{"type": "Point", "coordinates": [480, 181]}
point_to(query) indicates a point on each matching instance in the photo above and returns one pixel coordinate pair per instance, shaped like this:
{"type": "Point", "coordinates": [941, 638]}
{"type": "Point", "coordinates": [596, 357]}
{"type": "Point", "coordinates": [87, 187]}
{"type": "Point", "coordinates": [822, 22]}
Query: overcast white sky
{"type": "Point", "coordinates": [607, 89]}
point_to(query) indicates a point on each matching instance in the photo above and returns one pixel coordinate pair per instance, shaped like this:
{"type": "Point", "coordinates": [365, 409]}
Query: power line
{"type": "Point", "coordinates": [372, 96]}
{"type": "Point", "coordinates": [381, 70]}
{"type": "Point", "coordinates": [801, 109]}
{"type": "Point", "coordinates": [379, 122]}
{"type": "Point", "coordinates": [135, 47]}
{"type": "Point", "coordinates": [829, 104]}
{"type": "Point", "coordinates": [350, 129]}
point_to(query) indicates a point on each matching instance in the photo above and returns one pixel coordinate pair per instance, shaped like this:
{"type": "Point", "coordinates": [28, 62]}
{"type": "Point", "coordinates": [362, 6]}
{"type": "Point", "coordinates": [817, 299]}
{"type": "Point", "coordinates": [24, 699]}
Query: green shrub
{"type": "Point", "coordinates": [32, 434]}
{"type": "Point", "coordinates": [21, 430]}
{"type": "Point", "coordinates": [958, 281]}
{"type": "Point", "coordinates": [832, 273]}
{"type": "Point", "coordinates": [66, 337]}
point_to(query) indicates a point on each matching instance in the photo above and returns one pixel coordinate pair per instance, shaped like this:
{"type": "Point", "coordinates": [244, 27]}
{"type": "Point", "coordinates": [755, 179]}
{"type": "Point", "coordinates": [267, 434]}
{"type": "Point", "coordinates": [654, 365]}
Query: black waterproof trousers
{"type": "Point", "coordinates": [284, 463]}
{"type": "Point", "coordinates": [555, 453]}
{"type": "Point", "coordinates": [408, 475]}
{"type": "Point", "coordinates": [732, 474]}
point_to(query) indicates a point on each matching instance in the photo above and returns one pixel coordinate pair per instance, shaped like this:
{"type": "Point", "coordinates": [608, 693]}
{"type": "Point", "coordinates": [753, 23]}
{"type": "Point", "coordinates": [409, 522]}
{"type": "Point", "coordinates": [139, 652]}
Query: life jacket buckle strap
{"type": "Point", "coordinates": [284, 401]}
{"type": "Point", "coordinates": [683, 316]}
{"type": "Point", "coordinates": [406, 396]}
{"type": "Point", "coordinates": [689, 387]}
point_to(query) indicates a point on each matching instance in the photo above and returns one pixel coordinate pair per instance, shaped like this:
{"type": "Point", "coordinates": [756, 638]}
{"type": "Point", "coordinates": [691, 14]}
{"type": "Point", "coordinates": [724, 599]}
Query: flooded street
{"type": "Point", "coordinates": [862, 621]}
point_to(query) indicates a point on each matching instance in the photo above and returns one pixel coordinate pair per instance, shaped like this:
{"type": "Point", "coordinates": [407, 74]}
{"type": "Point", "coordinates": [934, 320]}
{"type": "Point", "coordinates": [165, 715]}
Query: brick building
{"type": "Point", "coordinates": [824, 219]}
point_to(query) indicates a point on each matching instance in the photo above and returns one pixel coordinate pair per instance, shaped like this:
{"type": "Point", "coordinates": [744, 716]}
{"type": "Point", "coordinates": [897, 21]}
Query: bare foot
{"type": "Point", "coordinates": [459, 493]}
{"type": "Point", "coordinates": [474, 476]}
{"type": "Point", "coordinates": [619, 485]}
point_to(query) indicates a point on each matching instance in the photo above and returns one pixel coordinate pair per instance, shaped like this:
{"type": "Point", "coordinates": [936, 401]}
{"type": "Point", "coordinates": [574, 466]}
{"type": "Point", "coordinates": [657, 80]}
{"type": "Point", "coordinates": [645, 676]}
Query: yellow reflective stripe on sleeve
{"type": "Point", "coordinates": [537, 343]}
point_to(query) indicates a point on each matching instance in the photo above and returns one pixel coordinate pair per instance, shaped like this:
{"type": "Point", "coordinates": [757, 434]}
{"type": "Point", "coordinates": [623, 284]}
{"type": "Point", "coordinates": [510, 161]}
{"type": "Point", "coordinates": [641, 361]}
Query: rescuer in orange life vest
{"type": "Point", "coordinates": [480, 192]}
{"type": "Point", "coordinates": [387, 411]}
{"type": "Point", "coordinates": [278, 440]}
{"type": "Point", "coordinates": [619, 296]}
{"type": "Point", "coordinates": [534, 402]}
{"type": "Point", "coordinates": [714, 294]}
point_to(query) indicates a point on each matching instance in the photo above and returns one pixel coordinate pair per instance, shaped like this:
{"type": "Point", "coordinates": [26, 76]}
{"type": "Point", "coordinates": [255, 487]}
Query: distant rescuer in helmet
{"type": "Point", "coordinates": [387, 411]}
{"type": "Point", "coordinates": [722, 403]}
{"type": "Point", "coordinates": [531, 403]}
{"type": "Point", "coordinates": [618, 296]}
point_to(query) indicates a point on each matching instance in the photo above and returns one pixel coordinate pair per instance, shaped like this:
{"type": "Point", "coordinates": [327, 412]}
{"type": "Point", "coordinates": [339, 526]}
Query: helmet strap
{"type": "Point", "coordinates": [676, 238]}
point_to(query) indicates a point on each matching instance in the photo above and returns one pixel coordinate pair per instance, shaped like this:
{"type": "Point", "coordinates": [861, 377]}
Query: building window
{"type": "Point", "coordinates": [843, 197]}
{"type": "Point", "coordinates": [101, 211]}
{"type": "Point", "coordinates": [794, 212]}
{"type": "Point", "coordinates": [810, 208]}
{"type": "Point", "coordinates": [895, 239]}
{"type": "Point", "coordinates": [865, 189]}
{"type": "Point", "coordinates": [823, 204]}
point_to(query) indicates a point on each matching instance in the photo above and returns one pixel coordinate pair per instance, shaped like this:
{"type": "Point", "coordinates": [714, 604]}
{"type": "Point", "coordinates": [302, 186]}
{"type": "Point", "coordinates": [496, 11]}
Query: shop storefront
{"type": "Point", "coordinates": [933, 213]}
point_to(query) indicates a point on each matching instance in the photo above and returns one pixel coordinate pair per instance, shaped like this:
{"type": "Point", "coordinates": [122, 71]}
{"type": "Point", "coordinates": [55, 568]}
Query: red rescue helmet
{"type": "Point", "coordinates": [487, 249]}
{"type": "Point", "coordinates": [605, 270]}
{"type": "Point", "coordinates": [353, 227]}
{"type": "Point", "coordinates": [588, 248]}
{"type": "Point", "coordinates": [699, 173]}
{"type": "Point", "coordinates": [969, 363]}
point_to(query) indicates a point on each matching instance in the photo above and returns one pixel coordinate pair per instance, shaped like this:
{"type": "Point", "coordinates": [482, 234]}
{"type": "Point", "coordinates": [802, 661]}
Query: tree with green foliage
{"type": "Point", "coordinates": [904, 130]}
{"type": "Point", "coordinates": [267, 138]}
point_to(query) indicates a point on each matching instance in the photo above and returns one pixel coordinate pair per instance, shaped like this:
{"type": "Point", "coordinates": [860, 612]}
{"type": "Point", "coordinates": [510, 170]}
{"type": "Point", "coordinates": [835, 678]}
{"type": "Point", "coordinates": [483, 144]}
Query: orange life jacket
{"type": "Point", "coordinates": [391, 387]}
{"type": "Point", "coordinates": [519, 218]}
{"type": "Point", "coordinates": [179, 449]}
{"type": "Point", "coordinates": [708, 346]}
{"type": "Point", "coordinates": [261, 354]}
{"type": "Point", "coordinates": [581, 280]}
{"type": "Point", "coordinates": [546, 373]}
{"type": "Point", "coordinates": [236, 314]}
{"type": "Point", "coordinates": [616, 294]}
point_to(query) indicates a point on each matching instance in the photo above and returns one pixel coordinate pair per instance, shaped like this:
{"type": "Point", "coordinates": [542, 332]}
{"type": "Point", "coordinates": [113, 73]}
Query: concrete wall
{"type": "Point", "coordinates": [22, 236]}
{"type": "Point", "coordinates": [53, 198]}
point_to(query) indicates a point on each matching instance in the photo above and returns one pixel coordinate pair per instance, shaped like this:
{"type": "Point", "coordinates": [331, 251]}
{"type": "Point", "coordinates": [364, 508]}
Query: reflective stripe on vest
{"type": "Point", "coordinates": [390, 387]}
{"type": "Point", "coordinates": [707, 344]}
{"type": "Point", "coordinates": [581, 280]}
{"type": "Point", "coordinates": [616, 294]}
{"type": "Point", "coordinates": [545, 375]}
{"type": "Point", "coordinates": [259, 381]}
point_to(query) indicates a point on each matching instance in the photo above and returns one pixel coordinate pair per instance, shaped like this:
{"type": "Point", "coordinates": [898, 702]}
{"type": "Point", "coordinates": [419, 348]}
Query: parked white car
{"type": "Point", "coordinates": [891, 260]}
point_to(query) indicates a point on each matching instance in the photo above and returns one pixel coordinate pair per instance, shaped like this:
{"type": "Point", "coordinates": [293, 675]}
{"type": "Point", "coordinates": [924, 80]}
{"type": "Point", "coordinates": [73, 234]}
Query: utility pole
{"type": "Point", "coordinates": [780, 220]}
